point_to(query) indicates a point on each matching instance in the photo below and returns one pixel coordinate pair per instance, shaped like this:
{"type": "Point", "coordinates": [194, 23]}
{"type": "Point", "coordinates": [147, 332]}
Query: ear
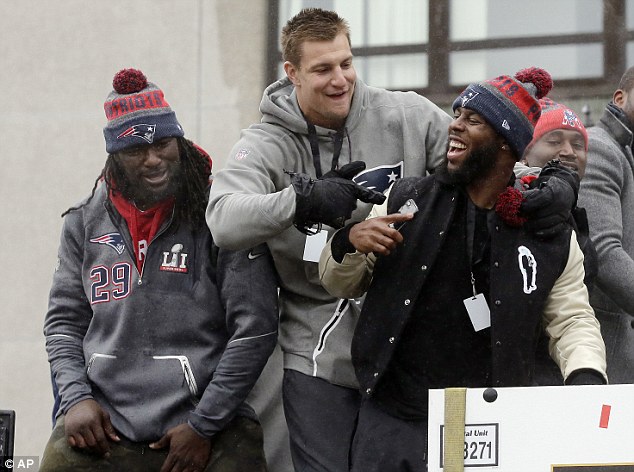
{"type": "Point", "coordinates": [292, 72]}
{"type": "Point", "coordinates": [619, 98]}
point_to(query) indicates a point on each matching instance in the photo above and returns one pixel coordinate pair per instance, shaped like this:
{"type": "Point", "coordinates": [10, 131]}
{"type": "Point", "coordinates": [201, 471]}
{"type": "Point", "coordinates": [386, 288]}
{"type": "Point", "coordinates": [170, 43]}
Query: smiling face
{"type": "Point", "coordinates": [324, 81]}
{"type": "Point", "coordinates": [564, 144]}
{"type": "Point", "coordinates": [469, 134]}
{"type": "Point", "coordinates": [151, 171]}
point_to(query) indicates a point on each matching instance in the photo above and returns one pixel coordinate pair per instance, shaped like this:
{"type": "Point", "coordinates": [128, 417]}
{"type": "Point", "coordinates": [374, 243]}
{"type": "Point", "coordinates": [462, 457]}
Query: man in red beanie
{"type": "Point", "coordinates": [560, 135]}
{"type": "Point", "coordinates": [152, 344]}
{"type": "Point", "coordinates": [457, 291]}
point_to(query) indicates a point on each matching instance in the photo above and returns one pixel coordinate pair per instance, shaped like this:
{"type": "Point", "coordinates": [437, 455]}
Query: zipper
{"type": "Point", "coordinates": [126, 235]}
{"type": "Point", "coordinates": [327, 329]}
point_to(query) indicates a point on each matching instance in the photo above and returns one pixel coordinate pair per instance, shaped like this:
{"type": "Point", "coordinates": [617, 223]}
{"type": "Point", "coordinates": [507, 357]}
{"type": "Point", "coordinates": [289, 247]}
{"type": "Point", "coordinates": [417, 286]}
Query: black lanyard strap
{"type": "Point", "coordinates": [314, 148]}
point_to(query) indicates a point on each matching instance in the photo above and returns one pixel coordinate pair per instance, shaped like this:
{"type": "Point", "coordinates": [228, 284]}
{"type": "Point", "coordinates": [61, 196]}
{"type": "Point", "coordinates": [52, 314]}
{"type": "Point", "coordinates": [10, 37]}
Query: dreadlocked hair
{"type": "Point", "coordinates": [192, 192]}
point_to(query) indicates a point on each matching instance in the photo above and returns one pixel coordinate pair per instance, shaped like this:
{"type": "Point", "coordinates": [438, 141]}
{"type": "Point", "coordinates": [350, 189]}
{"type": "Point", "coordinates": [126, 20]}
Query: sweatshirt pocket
{"type": "Point", "coordinates": [95, 356]}
{"type": "Point", "coordinates": [148, 394]}
{"type": "Point", "coordinates": [188, 374]}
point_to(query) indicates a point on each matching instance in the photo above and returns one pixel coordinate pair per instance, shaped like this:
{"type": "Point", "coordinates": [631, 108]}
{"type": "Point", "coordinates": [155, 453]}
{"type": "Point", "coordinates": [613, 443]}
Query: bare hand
{"type": "Point", "coordinates": [188, 450]}
{"type": "Point", "coordinates": [378, 235]}
{"type": "Point", "coordinates": [88, 427]}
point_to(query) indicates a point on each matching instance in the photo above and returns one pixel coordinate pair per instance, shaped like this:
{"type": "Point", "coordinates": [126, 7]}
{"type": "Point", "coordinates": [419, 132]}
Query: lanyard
{"type": "Point", "coordinates": [314, 147]}
{"type": "Point", "coordinates": [476, 233]}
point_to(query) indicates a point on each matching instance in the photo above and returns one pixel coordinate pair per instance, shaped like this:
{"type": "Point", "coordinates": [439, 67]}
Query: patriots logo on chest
{"type": "Point", "coordinates": [113, 240]}
{"type": "Point", "coordinates": [381, 177]}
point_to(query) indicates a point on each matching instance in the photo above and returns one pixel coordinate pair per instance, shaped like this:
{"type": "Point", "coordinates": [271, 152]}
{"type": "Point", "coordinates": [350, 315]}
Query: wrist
{"type": "Point", "coordinates": [341, 245]}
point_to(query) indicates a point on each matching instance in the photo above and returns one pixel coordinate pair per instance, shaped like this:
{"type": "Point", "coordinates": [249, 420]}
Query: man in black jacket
{"type": "Point", "coordinates": [458, 291]}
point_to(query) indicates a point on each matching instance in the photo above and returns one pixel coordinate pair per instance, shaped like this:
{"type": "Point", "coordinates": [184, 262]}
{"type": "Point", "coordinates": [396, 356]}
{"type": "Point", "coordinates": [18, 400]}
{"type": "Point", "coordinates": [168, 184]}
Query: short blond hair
{"type": "Point", "coordinates": [310, 24]}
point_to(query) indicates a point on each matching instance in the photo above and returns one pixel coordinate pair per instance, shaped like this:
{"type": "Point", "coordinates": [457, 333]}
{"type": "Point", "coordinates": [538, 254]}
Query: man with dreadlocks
{"type": "Point", "coordinates": [152, 344]}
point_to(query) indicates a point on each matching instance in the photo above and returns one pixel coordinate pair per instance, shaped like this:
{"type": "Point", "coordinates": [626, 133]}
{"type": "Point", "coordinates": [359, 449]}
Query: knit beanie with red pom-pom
{"type": "Point", "coordinates": [137, 113]}
{"type": "Point", "coordinates": [509, 104]}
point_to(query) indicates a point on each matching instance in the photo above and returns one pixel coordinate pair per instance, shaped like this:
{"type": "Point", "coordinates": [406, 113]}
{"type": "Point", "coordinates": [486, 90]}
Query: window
{"type": "Point", "coordinates": [436, 47]}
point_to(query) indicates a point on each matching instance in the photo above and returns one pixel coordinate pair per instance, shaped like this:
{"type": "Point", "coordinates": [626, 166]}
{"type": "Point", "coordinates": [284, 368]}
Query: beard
{"type": "Point", "coordinates": [135, 190]}
{"type": "Point", "coordinates": [477, 165]}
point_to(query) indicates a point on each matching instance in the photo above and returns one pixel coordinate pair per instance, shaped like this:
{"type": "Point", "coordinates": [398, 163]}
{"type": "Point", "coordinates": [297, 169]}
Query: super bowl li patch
{"type": "Point", "coordinates": [175, 260]}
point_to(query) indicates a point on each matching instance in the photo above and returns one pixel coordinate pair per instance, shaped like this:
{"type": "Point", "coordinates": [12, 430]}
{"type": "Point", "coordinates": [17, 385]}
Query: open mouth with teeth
{"type": "Point", "coordinates": [456, 145]}
{"type": "Point", "coordinates": [456, 149]}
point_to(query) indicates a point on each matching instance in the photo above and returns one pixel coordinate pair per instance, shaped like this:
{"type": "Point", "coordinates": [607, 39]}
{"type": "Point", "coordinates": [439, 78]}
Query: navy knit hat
{"type": "Point", "coordinates": [509, 104]}
{"type": "Point", "coordinates": [137, 113]}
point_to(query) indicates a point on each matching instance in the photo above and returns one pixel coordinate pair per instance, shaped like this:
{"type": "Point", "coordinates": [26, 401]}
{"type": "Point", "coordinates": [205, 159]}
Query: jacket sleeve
{"type": "Point", "coordinates": [351, 277]}
{"type": "Point", "coordinates": [245, 207]}
{"type": "Point", "coordinates": [68, 317]}
{"type": "Point", "coordinates": [248, 289]}
{"type": "Point", "coordinates": [601, 191]}
{"type": "Point", "coordinates": [575, 335]}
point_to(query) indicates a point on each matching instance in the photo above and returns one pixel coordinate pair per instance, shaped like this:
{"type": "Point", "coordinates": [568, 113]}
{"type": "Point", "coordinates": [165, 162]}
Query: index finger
{"type": "Point", "coordinates": [397, 217]}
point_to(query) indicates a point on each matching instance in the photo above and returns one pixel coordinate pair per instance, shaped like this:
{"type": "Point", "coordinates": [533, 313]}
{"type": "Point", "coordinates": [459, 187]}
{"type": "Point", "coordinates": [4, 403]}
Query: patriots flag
{"type": "Point", "coordinates": [381, 177]}
{"type": "Point", "coordinates": [114, 240]}
{"type": "Point", "coordinates": [143, 131]}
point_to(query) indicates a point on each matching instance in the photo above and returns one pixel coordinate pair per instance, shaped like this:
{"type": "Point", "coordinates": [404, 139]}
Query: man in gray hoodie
{"type": "Point", "coordinates": [152, 342]}
{"type": "Point", "coordinates": [607, 194]}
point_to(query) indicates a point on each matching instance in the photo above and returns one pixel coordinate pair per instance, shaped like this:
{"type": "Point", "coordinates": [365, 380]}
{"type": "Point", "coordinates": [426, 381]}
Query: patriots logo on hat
{"type": "Point", "coordinates": [467, 97]}
{"type": "Point", "coordinates": [142, 131]}
{"type": "Point", "coordinates": [381, 177]}
{"type": "Point", "coordinates": [114, 240]}
{"type": "Point", "coordinates": [570, 119]}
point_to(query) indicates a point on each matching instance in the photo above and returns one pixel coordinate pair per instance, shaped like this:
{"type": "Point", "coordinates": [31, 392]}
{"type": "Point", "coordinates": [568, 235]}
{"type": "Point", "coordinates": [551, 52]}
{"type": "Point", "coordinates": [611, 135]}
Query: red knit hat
{"type": "Point", "coordinates": [557, 116]}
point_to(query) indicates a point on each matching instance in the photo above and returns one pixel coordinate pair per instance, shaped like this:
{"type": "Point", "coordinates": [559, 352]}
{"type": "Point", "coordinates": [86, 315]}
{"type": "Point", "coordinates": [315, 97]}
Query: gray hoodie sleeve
{"type": "Point", "coordinates": [248, 202]}
{"type": "Point", "coordinates": [68, 317]}
{"type": "Point", "coordinates": [248, 288]}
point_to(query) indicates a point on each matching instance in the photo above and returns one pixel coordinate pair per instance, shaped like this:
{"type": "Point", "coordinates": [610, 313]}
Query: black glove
{"type": "Point", "coordinates": [330, 199]}
{"type": "Point", "coordinates": [547, 204]}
